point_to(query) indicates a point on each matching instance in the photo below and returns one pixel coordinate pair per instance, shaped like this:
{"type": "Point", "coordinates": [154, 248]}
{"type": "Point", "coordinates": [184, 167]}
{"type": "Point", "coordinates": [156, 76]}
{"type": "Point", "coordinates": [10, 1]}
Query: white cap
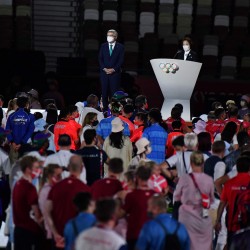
{"type": "Point", "coordinates": [204, 117]}
{"type": "Point", "coordinates": [141, 144]}
{"type": "Point", "coordinates": [117, 125]}
{"type": "Point", "coordinates": [200, 126]}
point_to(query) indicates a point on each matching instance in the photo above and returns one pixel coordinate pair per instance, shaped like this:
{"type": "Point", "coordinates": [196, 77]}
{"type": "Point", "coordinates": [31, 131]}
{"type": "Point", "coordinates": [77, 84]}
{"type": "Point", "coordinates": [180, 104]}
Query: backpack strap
{"type": "Point", "coordinates": [76, 232]}
{"type": "Point", "coordinates": [165, 230]}
{"type": "Point", "coordinates": [183, 158]}
{"type": "Point", "coordinates": [237, 199]}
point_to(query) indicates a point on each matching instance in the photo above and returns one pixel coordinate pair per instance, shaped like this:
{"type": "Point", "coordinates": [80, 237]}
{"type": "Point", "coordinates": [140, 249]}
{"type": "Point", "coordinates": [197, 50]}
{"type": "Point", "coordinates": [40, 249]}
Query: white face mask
{"type": "Point", "coordinates": [186, 47]}
{"type": "Point", "coordinates": [149, 150]}
{"type": "Point", "coordinates": [110, 39]}
{"type": "Point", "coordinates": [242, 103]}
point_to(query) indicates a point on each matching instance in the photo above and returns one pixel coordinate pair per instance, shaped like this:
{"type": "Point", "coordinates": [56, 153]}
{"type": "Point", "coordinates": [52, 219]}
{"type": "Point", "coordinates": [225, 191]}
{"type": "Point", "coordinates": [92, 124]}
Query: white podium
{"type": "Point", "coordinates": [176, 79]}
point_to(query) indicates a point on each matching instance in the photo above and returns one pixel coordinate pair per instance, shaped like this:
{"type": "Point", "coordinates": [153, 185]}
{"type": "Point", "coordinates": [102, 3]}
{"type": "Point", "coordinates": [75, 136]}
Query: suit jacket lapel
{"type": "Point", "coordinates": [189, 55]}
{"type": "Point", "coordinates": [114, 49]}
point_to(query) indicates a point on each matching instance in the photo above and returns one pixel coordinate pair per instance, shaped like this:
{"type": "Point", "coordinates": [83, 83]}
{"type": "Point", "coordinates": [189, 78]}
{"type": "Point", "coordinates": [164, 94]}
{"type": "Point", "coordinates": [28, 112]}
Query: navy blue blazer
{"type": "Point", "coordinates": [192, 56]}
{"type": "Point", "coordinates": [114, 61]}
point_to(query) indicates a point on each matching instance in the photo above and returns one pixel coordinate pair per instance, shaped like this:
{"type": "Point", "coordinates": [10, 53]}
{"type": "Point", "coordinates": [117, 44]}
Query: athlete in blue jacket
{"type": "Point", "coordinates": [20, 123]}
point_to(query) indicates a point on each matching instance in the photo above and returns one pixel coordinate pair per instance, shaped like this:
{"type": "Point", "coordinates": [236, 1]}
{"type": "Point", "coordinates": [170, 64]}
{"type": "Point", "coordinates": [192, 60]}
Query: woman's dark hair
{"type": "Point", "coordinates": [156, 115]}
{"type": "Point", "coordinates": [142, 116]}
{"type": "Point", "coordinates": [204, 141]}
{"type": "Point", "coordinates": [52, 116]}
{"type": "Point", "coordinates": [188, 39]}
{"type": "Point", "coordinates": [116, 139]}
{"type": "Point", "coordinates": [38, 115]}
{"type": "Point", "coordinates": [229, 131]}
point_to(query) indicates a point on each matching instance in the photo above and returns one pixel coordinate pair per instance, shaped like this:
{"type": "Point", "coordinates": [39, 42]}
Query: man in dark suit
{"type": "Point", "coordinates": [187, 53]}
{"type": "Point", "coordinates": [111, 58]}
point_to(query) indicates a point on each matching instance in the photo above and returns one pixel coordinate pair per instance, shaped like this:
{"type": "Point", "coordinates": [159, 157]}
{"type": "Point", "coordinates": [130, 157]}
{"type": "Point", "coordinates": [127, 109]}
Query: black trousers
{"type": "Point", "coordinates": [27, 240]}
{"type": "Point", "coordinates": [131, 244]}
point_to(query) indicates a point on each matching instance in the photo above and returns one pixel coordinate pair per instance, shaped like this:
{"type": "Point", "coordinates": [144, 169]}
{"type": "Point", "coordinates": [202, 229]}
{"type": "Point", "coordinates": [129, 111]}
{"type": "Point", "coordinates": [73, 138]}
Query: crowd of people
{"type": "Point", "coordinates": [126, 178]}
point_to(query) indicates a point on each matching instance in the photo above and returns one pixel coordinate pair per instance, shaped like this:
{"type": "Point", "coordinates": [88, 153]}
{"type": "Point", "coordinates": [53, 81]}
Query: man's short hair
{"type": "Point", "coordinates": [143, 173]}
{"type": "Point", "coordinates": [92, 100]}
{"type": "Point", "coordinates": [140, 100]}
{"type": "Point", "coordinates": [64, 140]}
{"type": "Point", "coordinates": [22, 101]}
{"type": "Point", "coordinates": [180, 106]}
{"type": "Point", "coordinates": [82, 200]}
{"type": "Point", "coordinates": [114, 32]}
{"type": "Point", "coordinates": [218, 112]}
{"type": "Point", "coordinates": [89, 135]}
{"type": "Point", "coordinates": [176, 124]}
{"type": "Point", "coordinates": [178, 141]}
{"type": "Point", "coordinates": [116, 165]}
{"type": "Point", "coordinates": [233, 111]}
{"type": "Point", "coordinates": [128, 108]}
{"type": "Point", "coordinates": [75, 164]}
{"type": "Point", "coordinates": [242, 164]}
{"type": "Point", "coordinates": [218, 147]}
{"type": "Point", "coordinates": [27, 162]}
{"type": "Point", "coordinates": [105, 209]}
{"type": "Point", "coordinates": [64, 113]}
{"type": "Point", "coordinates": [72, 109]}
{"type": "Point", "coordinates": [159, 201]}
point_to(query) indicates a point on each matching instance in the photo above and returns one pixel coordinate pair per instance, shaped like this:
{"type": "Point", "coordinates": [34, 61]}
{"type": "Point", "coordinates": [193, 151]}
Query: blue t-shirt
{"type": "Point", "coordinates": [158, 138]}
{"type": "Point", "coordinates": [152, 235]}
{"type": "Point", "coordinates": [104, 127]}
{"type": "Point", "coordinates": [82, 221]}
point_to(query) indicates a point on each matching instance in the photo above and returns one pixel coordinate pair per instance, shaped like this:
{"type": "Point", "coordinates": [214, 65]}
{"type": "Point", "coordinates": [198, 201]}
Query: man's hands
{"type": "Point", "coordinates": [109, 71]}
{"type": "Point", "coordinates": [217, 227]}
{"type": "Point", "coordinates": [60, 242]}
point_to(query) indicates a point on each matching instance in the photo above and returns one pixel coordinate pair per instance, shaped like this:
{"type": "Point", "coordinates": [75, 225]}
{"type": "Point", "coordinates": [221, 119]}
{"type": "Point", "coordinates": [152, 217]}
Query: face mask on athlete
{"type": "Point", "coordinates": [36, 173]}
{"type": "Point", "coordinates": [137, 123]}
{"type": "Point", "coordinates": [54, 180]}
{"type": "Point", "coordinates": [110, 39]}
{"type": "Point", "coordinates": [242, 103]}
{"type": "Point", "coordinates": [148, 149]}
{"type": "Point", "coordinates": [95, 123]}
{"type": "Point", "coordinates": [186, 48]}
